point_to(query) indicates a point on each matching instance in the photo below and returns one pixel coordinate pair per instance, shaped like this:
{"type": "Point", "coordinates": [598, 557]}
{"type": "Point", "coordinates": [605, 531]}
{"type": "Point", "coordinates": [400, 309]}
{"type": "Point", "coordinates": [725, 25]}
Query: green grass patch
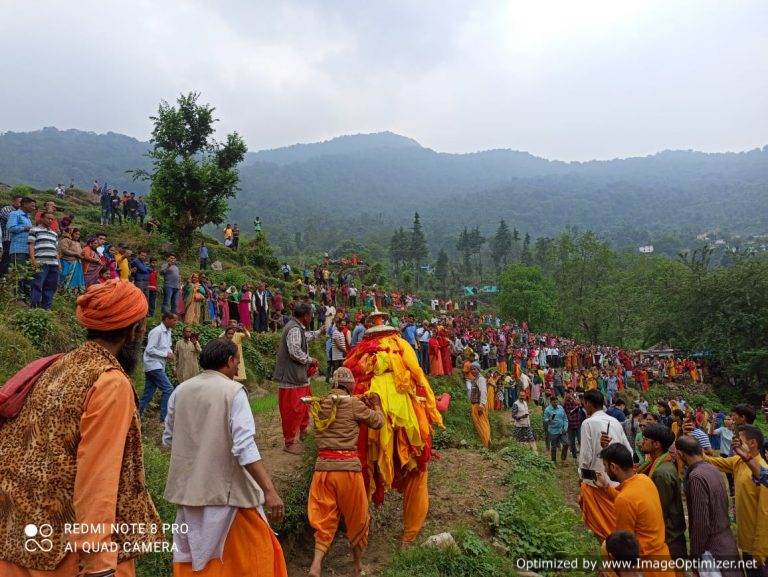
{"type": "Point", "coordinates": [264, 404]}
{"type": "Point", "coordinates": [534, 520]}
{"type": "Point", "coordinates": [472, 558]}
{"type": "Point", "coordinates": [458, 419]}
{"type": "Point", "coordinates": [156, 463]}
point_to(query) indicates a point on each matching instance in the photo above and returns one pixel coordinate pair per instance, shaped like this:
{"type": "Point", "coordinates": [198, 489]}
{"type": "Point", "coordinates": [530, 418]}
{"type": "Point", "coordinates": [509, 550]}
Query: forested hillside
{"type": "Point", "coordinates": [363, 186]}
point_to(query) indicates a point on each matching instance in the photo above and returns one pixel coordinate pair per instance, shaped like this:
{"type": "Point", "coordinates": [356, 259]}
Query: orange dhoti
{"type": "Point", "coordinates": [598, 510]}
{"type": "Point", "coordinates": [333, 495]}
{"type": "Point", "coordinates": [490, 403]}
{"type": "Point", "coordinates": [249, 539]}
{"type": "Point", "coordinates": [415, 504]}
{"type": "Point", "coordinates": [482, 425]}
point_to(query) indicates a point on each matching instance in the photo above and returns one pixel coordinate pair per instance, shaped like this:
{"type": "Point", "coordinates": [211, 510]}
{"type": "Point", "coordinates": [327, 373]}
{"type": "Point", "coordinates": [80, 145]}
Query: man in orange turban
{"type": "Point", "coordinates": [75, 439]}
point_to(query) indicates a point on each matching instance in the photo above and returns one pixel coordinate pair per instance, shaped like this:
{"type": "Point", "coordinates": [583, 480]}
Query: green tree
{"type": "Point", "coordinates": [476, 242]}
{"type": "Point", "coordinates": [526, 294]}
{"type": "Point", "coordinates": [418, 247]}
{"type": "Point", "coordinates": [441, 269]}
{"type": "Point", "coordinates": [501, 245]}
{"type": "Point", "coordinates": [193, 176]}
{"type": "Point", "coordinates": [525, 255]}
{"type": "Point", "coordinates": [464, 246]}
{"type": "Point", "coordinates": [399, 248]}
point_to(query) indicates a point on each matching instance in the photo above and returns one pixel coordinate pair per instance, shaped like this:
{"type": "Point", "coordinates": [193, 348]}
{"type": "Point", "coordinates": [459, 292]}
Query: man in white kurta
{"type": "Point", "coordinates": [216, 476]}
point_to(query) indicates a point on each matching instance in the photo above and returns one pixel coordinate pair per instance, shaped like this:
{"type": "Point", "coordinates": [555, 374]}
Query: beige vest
{"type": "Point", "coordinates": [203, 470]}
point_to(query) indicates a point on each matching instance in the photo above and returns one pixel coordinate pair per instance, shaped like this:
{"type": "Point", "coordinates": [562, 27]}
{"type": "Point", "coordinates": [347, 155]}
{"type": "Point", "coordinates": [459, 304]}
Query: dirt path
{"type": "Point", "coordinates": [461, 481]}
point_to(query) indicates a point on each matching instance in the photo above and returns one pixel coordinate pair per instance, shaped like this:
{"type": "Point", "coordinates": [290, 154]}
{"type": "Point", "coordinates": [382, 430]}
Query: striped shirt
{"type": "Point", "coordinates": [707, 497]}
{"type": "Point", "coordinates": [46, 245]}
{"type": "Point", "coordinates": [4, 213]}
{"type": "Point", "coordinates": [702, 438]}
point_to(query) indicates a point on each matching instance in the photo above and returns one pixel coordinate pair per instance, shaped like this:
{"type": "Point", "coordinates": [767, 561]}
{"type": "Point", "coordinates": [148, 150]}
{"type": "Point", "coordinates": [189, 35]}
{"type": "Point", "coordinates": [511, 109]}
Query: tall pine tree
{"type": "Point", "coordinates": [399, 249]}
{"type": "Point", "coordinates": [525, 256]}
{"type": "Point", "coordinates": [464, 246]}
{"type": "Point", "coordinates": [418, 247]}
{"type": "Point", "coordinates": [501, 245]}
{"type": "Point", "coordinates": [441, 269]}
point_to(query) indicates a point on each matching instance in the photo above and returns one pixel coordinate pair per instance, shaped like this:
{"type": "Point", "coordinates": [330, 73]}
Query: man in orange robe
{"type": "Point", "coordinates": [596, 504]}
{"type": "Point", "coordinates": [85, 443]}
{"type": "Point", "coordinates": [478, 397]}
{"type": "Point", "coordinates": [637, 505]}
{"type": "Point", "coordinates": [338, 487]}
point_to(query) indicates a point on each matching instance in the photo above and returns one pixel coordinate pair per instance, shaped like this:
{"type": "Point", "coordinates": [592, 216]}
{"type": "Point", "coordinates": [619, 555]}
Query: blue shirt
{"type": "Point", "coordinates": [702, 438]}
{"type": "Point", "coordinates": [409, 334]}
{"type": "Point", "coordinates": [203, 252]}
{"type": "Point", "coordinates": [357, 334]}
{"type": "Point", "coordinates": [18, 227]}
{"type": "Point", "coordinates": [142, 270]}
{"type": "Point", "coordinates": [555, 420]}
{"type": "Point", "coordinates": [763, 478]}
{"type": "Point", "coordinates": [616, 413]}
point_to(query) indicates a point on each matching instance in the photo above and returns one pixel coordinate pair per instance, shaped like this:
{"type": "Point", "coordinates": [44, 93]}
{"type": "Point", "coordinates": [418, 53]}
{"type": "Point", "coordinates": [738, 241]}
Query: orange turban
{"type": "Point", "coordinates": [112, 305]}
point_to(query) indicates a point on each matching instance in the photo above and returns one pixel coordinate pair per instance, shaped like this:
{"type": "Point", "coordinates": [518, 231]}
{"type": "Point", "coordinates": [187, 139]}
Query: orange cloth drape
{"type": "Point", "coordinates": [638, 510]}
{"type": "Point", "coordinates": [251, 550]}
{"type": "Point", "coordinates": [333, 495]}
{"type": "Point", "coordinates": [491, 398]}
{"type": "Point", "coordinates": [598, 510]}
{"type": "Point", "coordinates": [482, 425]}
{"type": "Point", "coordinates": [415, 504]}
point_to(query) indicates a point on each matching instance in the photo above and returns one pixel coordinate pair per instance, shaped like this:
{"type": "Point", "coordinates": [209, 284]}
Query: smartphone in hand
{"type": "Point", "coordinates": [589, 474]}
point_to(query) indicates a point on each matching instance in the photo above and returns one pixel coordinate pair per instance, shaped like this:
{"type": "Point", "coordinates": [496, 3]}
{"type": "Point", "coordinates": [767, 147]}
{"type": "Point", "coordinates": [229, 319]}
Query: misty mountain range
{"type": "Point", "coordinates": [361, 187]}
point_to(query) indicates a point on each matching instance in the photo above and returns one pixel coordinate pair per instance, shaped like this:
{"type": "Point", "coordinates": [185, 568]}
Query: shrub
{"type": "Point", "coordinates": [51, 332]}
{"type": "Point", "coordinates": [16, 351]}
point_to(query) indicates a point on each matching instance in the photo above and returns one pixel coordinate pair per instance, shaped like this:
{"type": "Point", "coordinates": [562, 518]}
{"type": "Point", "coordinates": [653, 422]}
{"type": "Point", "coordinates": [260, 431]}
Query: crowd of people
{"type": "Point", "coordinates": [657, 481]}
{"type": "Point", "coordinates": [642, 467]}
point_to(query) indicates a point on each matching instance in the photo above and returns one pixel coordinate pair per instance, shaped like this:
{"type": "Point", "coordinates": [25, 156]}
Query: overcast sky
{"type": "Point", "coordinates": [572, 79]}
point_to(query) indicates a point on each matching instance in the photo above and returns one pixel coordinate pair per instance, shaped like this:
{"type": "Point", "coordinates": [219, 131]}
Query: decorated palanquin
{"type": "Point", "coordinates": [383, 362]}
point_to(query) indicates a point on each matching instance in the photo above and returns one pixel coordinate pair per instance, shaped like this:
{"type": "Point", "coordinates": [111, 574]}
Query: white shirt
{"type": "Point", "coordinates": [208, 526]}
{"type": "Point", "coordinates": [591, 428]}
{"type": "Point", "coordinates": [423, 334]}
{"type": "Point", "coordinates": [525, 381]}
{"type": "Point", "coordinates": [520, 409]}
{"type": "Point", "coordinates": [159, 344]}
{"type": "Point", "coordinates": [482, 384]}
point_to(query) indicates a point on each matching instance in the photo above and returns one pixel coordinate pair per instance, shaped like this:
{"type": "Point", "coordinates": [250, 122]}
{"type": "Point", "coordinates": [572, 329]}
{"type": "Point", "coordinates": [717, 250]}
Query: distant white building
{"type": "Point", "coordinates": [719, 242]}
{"type": "Point", "coordinates": [647, 249]}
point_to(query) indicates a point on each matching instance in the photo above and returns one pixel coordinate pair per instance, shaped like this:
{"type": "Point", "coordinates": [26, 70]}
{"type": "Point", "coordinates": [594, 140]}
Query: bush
{"type": "Point", "coordinates": [51, 332]}
{"type": "Point", "coordinates": [16, 351]}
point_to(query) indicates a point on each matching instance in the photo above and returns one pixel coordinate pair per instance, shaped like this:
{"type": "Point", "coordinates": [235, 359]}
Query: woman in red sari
{"type": "Point", "coordinates": [446, 346]}
{"type": "Point", "coordinates": [435, 356]}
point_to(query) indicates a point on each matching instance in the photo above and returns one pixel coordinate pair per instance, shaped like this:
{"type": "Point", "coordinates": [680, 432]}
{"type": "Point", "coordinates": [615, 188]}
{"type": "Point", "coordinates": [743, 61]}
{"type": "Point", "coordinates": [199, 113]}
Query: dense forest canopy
{"type": "Point", "coordinates": [366, 186]}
